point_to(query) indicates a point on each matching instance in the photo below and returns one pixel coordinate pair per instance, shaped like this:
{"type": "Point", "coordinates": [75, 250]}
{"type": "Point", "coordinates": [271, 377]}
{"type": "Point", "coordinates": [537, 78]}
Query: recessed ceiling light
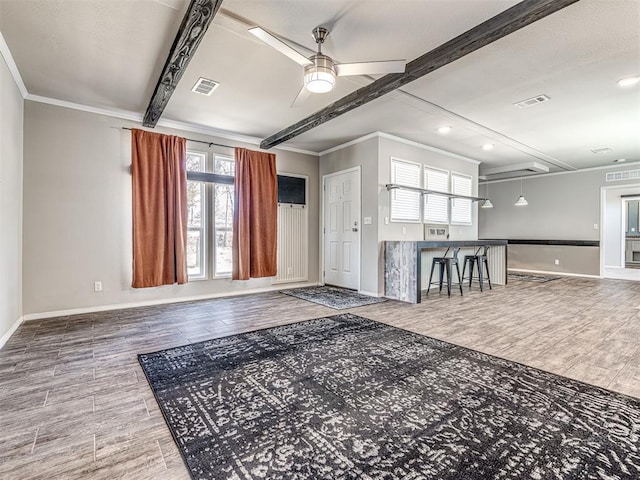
{"type": "Point", "coordinates": [205, 86]}
{"type": "Point", "coordinates": [629, 81]}
{"type": "Point", "coordinates": [444, 129]}
{"type": "Point", "coordinates": [488, 146]}
{"type": "Point", "coordinates": [619, 160]}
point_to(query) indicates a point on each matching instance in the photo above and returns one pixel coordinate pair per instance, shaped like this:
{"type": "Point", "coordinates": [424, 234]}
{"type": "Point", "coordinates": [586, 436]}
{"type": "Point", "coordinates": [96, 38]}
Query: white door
{"type": "Point", "coordinates": [342, 229]}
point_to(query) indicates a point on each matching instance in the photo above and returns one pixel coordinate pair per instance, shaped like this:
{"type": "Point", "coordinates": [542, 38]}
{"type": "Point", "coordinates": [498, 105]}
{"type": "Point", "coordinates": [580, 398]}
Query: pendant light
{"type": "Point", "coordinates": [521, 202]}
{"type": "Point", "coordinates": [487, 203]}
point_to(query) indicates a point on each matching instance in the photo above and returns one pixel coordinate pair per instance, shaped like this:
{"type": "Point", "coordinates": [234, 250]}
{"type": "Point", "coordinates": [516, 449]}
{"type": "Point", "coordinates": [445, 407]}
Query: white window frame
{"type": "Point", "coordinates": [203, 229]}
{"type": "Point", "coordinates": [464, 201]}
{"type": "Point", "coordinates": [396, 193]}
{"type": "Point", "coordinates": [440, 198]}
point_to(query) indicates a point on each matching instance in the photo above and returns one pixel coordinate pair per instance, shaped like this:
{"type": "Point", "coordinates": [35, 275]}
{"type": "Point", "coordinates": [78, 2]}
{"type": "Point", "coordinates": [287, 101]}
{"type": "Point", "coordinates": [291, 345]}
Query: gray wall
{"type": "Point", "coordinates": [561, 207]}
{"type": "Point", "coordinates": [77, 213]}
{"type": "Point", "coordinates": [364, 155]}
{"type": "Point", "coordinates": [374, 158]}
{"type": "Point", "coordinates": [11, 135]}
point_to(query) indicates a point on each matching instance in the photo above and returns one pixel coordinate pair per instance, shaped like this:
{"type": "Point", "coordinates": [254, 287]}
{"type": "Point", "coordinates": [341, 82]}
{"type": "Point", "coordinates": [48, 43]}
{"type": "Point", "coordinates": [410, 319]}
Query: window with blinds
{"type": "Point", "coordinates": [405, 205]}
{"type": "Point", "coordinates": [461, 207]}
{"type": "Point", "coordinates": [436, 207]}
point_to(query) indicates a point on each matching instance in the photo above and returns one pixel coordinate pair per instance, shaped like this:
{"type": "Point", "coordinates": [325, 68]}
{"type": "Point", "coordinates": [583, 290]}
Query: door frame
{"type": "Point", "coordinates": [603, 221]}
{"type": "Point", "coordinates": [357, 169]}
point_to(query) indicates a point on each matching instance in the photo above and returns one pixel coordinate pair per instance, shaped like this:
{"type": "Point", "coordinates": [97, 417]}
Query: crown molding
{"type": "Point", "coordinates": [177, 125]}
{"type": "Point", "coordinates": [11, 65]}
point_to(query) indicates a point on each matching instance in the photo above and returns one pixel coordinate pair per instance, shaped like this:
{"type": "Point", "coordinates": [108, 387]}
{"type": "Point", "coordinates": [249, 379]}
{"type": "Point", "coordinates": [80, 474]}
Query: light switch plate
{"type": "Point", "coordinates": [367, 220]}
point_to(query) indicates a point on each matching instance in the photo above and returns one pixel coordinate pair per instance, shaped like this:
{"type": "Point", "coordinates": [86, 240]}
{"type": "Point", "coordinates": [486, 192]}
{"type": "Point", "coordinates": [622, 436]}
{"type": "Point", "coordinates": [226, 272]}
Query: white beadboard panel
{"type": "Point", "coordinates": [293, 243]}
{"type": "Point", "coordinates": [495, 257]}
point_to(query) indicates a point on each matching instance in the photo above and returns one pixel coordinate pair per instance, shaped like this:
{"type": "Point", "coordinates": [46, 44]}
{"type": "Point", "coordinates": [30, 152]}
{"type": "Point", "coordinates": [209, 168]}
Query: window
{"type": "Point", "coordinates": [223, 225]}
{"type": "Point", "coordinates": [209, 190]}
{"type": "Point", "coordinates": [436, 207]}
{"type": "Point", "coordinates": [461, 207]}
{"type": "Point", "coordinates": [405, 204]}
{"type": "Point", "coordinates": [196, 211]}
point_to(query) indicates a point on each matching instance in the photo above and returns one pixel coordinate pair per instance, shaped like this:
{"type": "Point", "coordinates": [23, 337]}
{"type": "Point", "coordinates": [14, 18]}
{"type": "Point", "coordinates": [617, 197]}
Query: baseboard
{"type": "Point", "coordinates": [5, 338]}
{"type": "Point", "coordinates": [562, 274]}
{"type": "Point", "coordinates": [161, 301]}
{"type": "Point", "coordinates": [369, 294]}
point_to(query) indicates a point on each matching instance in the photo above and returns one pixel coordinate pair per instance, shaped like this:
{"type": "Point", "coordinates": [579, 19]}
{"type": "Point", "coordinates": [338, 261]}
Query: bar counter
{"type": "Point", "coordinates": [407, 264]}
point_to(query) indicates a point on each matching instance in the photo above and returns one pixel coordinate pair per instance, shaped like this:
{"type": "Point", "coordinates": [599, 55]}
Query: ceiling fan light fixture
{"type": "Point", "coordinates": [320, 77]}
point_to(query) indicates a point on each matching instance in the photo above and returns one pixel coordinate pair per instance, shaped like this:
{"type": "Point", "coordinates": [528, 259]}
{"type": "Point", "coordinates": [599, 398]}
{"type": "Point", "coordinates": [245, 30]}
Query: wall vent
{"type": "Point", "coordinates": [204, 86]}
{"type": "Point", "coordinates": [532, 101]}
{"type": "Point", "coordinates": [619, 176]}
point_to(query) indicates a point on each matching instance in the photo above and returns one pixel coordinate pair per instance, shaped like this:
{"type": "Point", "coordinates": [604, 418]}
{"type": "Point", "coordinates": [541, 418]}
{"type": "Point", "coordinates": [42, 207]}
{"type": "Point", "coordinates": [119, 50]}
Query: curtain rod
{"type": "Point", "coordinates": [192, 140]}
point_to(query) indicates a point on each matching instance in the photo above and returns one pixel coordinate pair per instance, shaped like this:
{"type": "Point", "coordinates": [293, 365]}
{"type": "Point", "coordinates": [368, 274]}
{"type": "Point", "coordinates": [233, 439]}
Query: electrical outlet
{"type": "Point", "coordinates": [289, 271]}
{"type": "Point", "coordinates": [404, 230]}
{"type": "Point", "coordinates": [596, 226]}
{"type": "Point", "coordinates": [386, 220]}
{"type": "Point", "coordinates": [97, 287]}
{"type": "Point", "coordinates": [556, 262]}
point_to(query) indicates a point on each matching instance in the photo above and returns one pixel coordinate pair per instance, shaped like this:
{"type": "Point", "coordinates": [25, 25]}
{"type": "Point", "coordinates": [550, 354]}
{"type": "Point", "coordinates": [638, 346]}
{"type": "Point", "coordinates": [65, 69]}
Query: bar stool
{"type": "Point", "coordinates": [479, 259]}
{"type": "Point", "coordinates": [445, 264]}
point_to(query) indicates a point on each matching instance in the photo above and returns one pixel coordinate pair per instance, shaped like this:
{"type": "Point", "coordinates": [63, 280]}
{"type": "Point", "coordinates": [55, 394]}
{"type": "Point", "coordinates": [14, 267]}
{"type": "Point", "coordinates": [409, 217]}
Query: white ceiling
{"type": "Point", "coordinates": [109, 54]}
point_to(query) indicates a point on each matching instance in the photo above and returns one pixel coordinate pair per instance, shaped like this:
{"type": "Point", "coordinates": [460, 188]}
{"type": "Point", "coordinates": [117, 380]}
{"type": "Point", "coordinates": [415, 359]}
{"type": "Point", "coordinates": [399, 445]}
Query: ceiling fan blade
{"type": "Point", "coordinates": [303, 94]}
{"type": "Point", "coordinates": [279, 45]}
{"type": "Point", "coordinates": [370, 68]}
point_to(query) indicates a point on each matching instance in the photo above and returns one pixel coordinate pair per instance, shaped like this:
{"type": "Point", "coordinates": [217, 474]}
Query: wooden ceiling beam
{"type": "Point", "coordinates": [192, 29]}
{"type": "Point", "coordinates": [497, 27]}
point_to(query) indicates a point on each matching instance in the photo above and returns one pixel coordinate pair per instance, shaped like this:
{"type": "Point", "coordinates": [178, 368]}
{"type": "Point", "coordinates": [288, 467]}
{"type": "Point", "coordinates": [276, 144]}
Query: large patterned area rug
{"type": "Point", "coordinates": [344, 397]}
{"type": "Point", "coordinates": [334, 297]}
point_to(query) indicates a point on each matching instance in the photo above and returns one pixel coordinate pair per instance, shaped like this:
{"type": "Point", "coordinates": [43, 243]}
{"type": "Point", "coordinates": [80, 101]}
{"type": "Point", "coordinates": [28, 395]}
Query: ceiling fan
{"type": "Point", "coordinates": [320, 70]}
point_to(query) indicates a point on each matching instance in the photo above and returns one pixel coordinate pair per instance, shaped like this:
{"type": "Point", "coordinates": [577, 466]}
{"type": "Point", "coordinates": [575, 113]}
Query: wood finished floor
{"type": "Point", "coordinates": [74, 402]}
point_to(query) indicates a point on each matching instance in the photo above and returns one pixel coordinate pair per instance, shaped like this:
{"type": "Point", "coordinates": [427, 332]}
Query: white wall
{"type": "Point", "coordinates": [77, 213]}
{"type": "Point", "coordinates": [11, 135]}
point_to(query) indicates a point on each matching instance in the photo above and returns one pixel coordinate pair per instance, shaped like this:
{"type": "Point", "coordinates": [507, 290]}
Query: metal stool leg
{"type": "Point", "coordinates": [441, 276]}
{"type": "Point", "coordinates": [433, 265]}
{"type": "Point", "coordinates": [486, 264]}
{"type": "Point", "coordinates": [459, 278]}
{"type": "Point", "coordinates": [449, 277]}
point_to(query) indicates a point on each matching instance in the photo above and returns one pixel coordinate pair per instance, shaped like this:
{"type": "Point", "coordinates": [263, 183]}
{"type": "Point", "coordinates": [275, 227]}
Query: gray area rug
{"type": "Point", "coordinates": [334, 297]}
{"type": "Point", "coordinates": [344, 397]}
{"type": "Point", "coordinates": [531, 278]}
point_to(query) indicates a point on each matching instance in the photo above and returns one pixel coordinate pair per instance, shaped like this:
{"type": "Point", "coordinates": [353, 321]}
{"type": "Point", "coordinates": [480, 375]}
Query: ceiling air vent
{"type": "Point", "coordinates": [626, 175]}
{"type": "Point", "coordinates": [599, 151]}
{"type": "Point", "coordinates": [532, 101]}
{"type": "Point", "coordinates": [204, 86]}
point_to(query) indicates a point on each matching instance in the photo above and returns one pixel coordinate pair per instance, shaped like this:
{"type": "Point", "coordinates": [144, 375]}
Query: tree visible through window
{"type": "Point", "coordinates": [209, 235]}
{"type": "Point", "coordinates": [223, 225]}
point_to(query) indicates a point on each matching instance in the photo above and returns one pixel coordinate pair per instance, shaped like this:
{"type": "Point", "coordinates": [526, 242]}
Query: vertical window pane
{"type": "Point", "coordinates": [195, 161]}
{"type": "Point", "coordinates": [461, 207]}
{"type": "Point", "coordinates": [224, 166]}
{"type": "Point", "coordinates": [436, 207]}
{"type": "Point", "coordinates": [195, 197]}
{"type": "Point", "coordinates": [405, 204]}
{"type": "Point", "coordinates": [223, 228]}
{"type": "Point", "coordinates": [194, 253]}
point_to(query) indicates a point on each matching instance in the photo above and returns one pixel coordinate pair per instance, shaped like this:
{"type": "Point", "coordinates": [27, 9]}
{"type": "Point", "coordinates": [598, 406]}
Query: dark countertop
{"type": "Point", "coordinates": [459, 243]}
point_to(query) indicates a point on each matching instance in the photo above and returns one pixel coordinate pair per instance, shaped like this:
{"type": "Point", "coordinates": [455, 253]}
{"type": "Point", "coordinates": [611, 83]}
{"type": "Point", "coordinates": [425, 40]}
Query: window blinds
{"type": "Point", "coordinates": [435, 206]}
{"type": "Point", "coordinates": [461, 207]}
{"type": "Point", "coordinates": [405, 205]}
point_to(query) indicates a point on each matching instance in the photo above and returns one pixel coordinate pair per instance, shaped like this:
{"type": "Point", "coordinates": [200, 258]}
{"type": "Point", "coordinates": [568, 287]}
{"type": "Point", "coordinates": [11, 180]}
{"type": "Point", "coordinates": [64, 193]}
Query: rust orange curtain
{"type": "Point", "coordinates": [159, 176]}
{"type": "Point", "coordinates": [255, 215]}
